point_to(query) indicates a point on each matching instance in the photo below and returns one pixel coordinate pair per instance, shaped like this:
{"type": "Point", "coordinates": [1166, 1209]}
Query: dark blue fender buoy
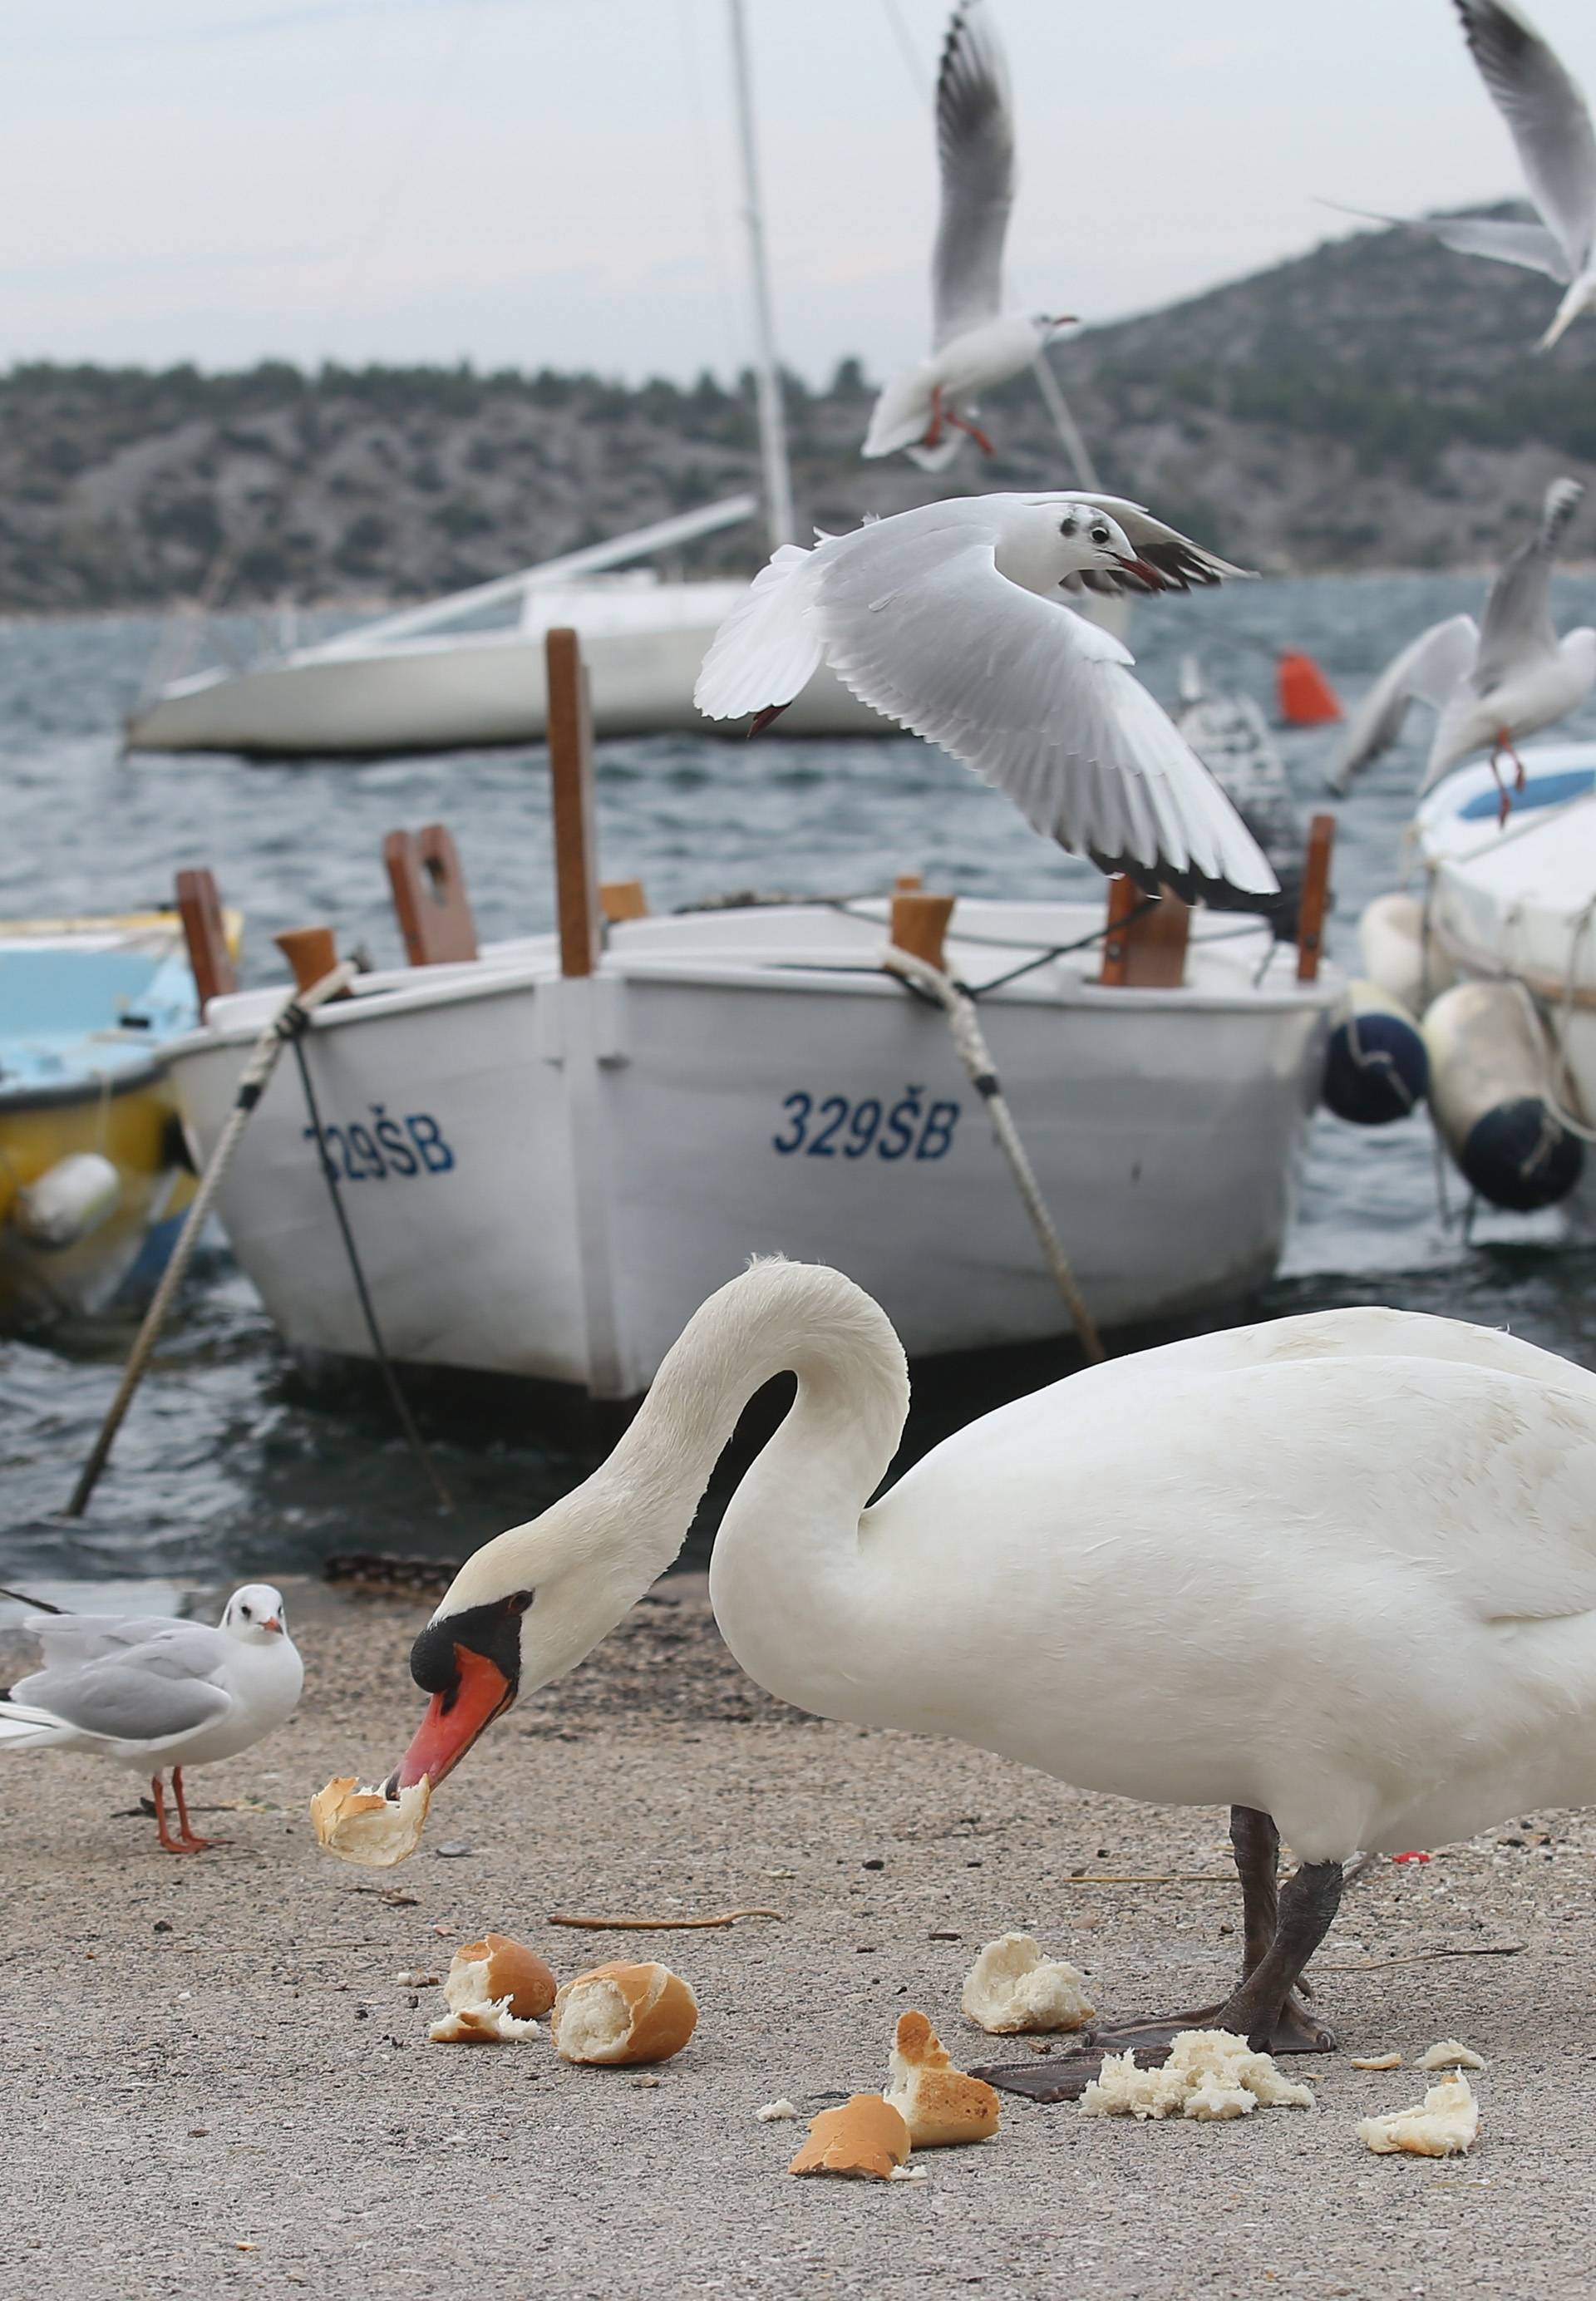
{"type": "Point", "coordinates": [1376, 1068]}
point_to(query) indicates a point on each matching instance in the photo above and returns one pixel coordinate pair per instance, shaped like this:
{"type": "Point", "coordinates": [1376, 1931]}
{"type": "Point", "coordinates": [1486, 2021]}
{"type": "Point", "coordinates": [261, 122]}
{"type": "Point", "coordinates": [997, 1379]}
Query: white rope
{"type": "Point", "coordinates": [287, 1019]}
{"type": "Point", "coordinates": [976, 1055]}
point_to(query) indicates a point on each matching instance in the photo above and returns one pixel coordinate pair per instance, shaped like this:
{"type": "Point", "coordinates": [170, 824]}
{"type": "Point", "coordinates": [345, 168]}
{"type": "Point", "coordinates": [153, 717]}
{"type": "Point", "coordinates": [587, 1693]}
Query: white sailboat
{"type": "Point", "coordinates": [467, 671]}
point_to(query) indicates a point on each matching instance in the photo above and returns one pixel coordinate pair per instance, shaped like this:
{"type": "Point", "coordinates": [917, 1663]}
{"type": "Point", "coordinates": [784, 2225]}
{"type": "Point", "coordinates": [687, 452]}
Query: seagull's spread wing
{"type": "Point", "coordinates": [1548, 117]}
{"type": "Point", "coordinates": [975, 152]}
{"type": "Point", "coordinates": [146, 1693]}
{"type": "Point", "coordinates": [1518, 625]}
{"type": "Point", "coordinates": [1530, 244]}
{"type": "Point", "coordinates": [1176, 561]}
{"type": "Point", "coordinates": [1430, 668]}
{"type": "Point", "coordinates": [920, 623]}
{"type": "Point", "coordinates": [82, 1637]}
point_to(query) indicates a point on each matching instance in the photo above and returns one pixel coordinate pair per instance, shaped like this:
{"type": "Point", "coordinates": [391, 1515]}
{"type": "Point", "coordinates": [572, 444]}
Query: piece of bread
{"type": "Point", "coordinates": [498, 1971]}
{"type": "Point", "coordinates": [1011, 1986]}
{"type": "Point", "coordinates": [939, 2103]}
{"type": "Point", "coordinates": [1211, 2075]}
{"type": "Point", "coordinates": [482, 2025]}
{"type": "Point", "coordinates": [1442, 2125]}
{"type": "Point", "coordinates": [865, 2140]}
{"type": "Point", "coordinates": [624, 2013]}
{"type": "Point", "coordinates": [1449, 2054]}
{"type": "Point", "coordinates": [365, 1826]}
{"type": "Point", "coordinates": [1379, 2061]}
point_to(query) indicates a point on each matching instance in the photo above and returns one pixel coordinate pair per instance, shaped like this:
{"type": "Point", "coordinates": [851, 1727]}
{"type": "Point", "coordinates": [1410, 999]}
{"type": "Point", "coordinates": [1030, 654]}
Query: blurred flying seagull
{"type": "Point", "coordinates": [1489, 685]}
{"type": "Point", "coordinates": [950, 620]}
{"type": "Point", "coordinates": [149, 1692]}
{"type": "Point", "coordinates": [1547, 115]}
{"type": "Point", "coordinates": [930, 409]}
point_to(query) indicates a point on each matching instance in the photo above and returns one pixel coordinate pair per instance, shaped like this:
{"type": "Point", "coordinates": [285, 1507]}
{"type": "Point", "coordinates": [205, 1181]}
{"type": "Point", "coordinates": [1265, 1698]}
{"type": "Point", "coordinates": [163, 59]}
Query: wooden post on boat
{"type": "Point", "coordinates": [312, 953]}
{"type": "Point", "coordinates": [920, 922]}
{"type": "Point", "coordinates": [1145, 946]}
{"type": "Point", "coordinates": [1315, 897]}
{"type": "Point", "coordinates": [429, 896]}
{"type": "Point", "coordinates": [577, 995]}
{"type": "Point", "coordinates": [205, 931]}
{"type": "Point", "coordinates": [622, 899]}
{"type": "Point", "coordinates": [571, 772]}
{"type": "Point", "coordinates": [907, 882]}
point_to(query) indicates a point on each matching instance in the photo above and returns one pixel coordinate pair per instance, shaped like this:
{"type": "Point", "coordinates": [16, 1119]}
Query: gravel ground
{"type": "Point", "coordinates": [216, 2081]}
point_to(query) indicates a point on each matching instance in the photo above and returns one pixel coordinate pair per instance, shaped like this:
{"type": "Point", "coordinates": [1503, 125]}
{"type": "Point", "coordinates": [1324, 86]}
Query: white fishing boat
{"type": "Point", "coordinates": [548, 1150]}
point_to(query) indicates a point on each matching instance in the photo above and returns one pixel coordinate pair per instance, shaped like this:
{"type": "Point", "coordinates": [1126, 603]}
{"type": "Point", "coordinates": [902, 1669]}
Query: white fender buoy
{"type": "Point", "coordinates": [67, 1202]}
{"type": "Point", "coordinates": [1489, 1069]}
{"type": "Point", "coordinates": [1397, 955]}
{"type": "Point", "coordinates": [1376, 1068]}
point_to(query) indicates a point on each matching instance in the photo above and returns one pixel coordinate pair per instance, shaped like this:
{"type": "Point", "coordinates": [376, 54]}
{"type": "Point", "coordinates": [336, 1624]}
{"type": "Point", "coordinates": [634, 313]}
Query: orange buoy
{"type": "Point", "coordinates": [1307, 698]}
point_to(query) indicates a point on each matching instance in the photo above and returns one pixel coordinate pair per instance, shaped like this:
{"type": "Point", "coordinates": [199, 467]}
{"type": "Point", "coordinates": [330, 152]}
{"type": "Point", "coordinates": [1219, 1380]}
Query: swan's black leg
{"type": "Point", "coordinates": [1280, 1929]}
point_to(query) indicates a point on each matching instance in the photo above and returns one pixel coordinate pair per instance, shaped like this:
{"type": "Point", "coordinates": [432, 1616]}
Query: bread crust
{"type": "Point", "coordinates": [514, 1972]}
{"type": "Point", "coordinates": [867, 2139]}
{"type": "Point", "coordinates": [366, 1827]}
{"type": "Point", "coordinates": [663, 2013]}
{"type": "Point", "coordinates": [939, 2104]}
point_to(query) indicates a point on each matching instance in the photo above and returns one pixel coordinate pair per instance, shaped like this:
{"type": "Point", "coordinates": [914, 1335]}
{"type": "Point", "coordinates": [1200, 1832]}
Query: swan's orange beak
{"type": "Point", "coordinates": [454, 1719]}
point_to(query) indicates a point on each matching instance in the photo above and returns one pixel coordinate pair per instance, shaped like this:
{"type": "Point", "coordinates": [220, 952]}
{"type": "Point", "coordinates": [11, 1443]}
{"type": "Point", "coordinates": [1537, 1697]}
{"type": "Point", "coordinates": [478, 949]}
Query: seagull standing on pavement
{"type": "Point", "coordinates": [1489, 684]}
{"type": "Point", "coordinates": [930, 409]}
{"type": "Point", "coordinates": [151, 1692]}
{"type": "Point", "coordinates": [951, 620]}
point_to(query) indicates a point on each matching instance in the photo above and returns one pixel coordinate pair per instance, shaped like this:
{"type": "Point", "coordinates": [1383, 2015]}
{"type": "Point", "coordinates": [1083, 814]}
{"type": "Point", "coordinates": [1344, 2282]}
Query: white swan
{"type": "Point", "coordinates": [1339, 1570]}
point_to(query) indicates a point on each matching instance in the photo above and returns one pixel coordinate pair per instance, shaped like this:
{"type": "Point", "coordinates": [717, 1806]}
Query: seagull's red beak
{"type": "Point", "coordinates": [1148, 574]}
{"type": "Point", "coordinates": [271, 1622]}
{"type": "Point", "coordinates": [455, 1718]}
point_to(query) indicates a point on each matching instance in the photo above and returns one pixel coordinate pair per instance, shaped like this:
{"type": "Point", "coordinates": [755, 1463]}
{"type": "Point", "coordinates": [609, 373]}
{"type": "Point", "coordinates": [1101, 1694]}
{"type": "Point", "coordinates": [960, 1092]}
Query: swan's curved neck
{"type": "Point", "coordinates": [814, 1477]}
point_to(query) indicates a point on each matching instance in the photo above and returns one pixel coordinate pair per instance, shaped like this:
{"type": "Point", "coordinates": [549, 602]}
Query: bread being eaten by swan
{"type": "Point", "coordinates": [939, 2104]}
{"type": "Point", "coordinates": [1012, 1986]}
{"type": "Point", "coordinates": [365, 1825]}
{"type": "Point", "coordinates": [624, 2014]}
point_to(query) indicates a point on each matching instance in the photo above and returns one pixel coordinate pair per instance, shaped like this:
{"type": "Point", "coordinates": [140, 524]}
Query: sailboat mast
{"type": "Point", "coordinates": [772, 422]}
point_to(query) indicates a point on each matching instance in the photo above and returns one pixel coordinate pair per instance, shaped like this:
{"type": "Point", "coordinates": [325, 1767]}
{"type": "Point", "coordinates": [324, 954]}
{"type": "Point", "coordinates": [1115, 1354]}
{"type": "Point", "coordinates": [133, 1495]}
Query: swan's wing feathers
{"type": "Point", "coordinates": [975, 154]}
{"type": "Point", "coordinates": [768, 647]}
{"type": "Point", "coordinates": [1430, 669]}
{"type": "Point", "coordinates": [1518, 625]}
{"type": "Point", "coordinates": [1038, 702]}
{"type": "Point", "coordinates": [1547, 115]}
{"type": "Point", "coordinates": [1180, 563]}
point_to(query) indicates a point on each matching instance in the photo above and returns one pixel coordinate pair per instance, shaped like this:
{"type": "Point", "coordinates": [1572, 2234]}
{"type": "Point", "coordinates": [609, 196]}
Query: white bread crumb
{"type": "Point", "coordinates": [776, 2113]}
{"type": "Point", "coordinates": [1379, 2061]}
{"type": "Point", "coordinates": [482, 2025]}
{"type": "Point", "coordinates": [1012, 1986]}
{"type": "Point", "coordinates": [908, 2174]}
{"type": "Point", "coordinates": [1442, 2125]}
{"type": "Point", "coordinates": [1210, 2075]}
{"type": "Point", "coordinates": [1449, 2054]}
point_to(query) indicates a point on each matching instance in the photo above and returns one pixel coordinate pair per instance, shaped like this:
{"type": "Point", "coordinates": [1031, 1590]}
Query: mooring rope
{"type": "Point", "coordinates": [976, 1055]}
{"type": "Point", "coordinates": [290, 1019]}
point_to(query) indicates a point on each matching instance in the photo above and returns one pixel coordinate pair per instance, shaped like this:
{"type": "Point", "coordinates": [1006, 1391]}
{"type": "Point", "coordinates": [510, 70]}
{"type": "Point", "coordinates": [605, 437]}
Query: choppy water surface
{"type": "Point", "coordinates": [228, 1462]}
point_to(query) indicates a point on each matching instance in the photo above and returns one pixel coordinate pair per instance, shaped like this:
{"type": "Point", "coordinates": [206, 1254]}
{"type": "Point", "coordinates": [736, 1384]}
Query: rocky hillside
{"type": "Point", "coordinates": [1373, 404]}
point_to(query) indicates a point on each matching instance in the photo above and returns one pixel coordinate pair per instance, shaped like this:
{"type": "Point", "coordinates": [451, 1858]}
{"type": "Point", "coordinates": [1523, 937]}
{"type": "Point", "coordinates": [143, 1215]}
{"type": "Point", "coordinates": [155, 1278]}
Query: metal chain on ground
{"type": "Point", "coordinates": [290, 1019]}
{"type": "Point", "coordinates": [976, 1055]}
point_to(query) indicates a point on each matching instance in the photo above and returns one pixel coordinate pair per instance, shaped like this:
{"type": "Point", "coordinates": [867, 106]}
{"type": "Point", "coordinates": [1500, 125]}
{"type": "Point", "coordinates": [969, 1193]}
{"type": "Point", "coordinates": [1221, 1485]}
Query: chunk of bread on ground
{"type": "Point", "coordinates": [1012, 1986]}
{"type": "Point", "coordinates": [863, 2141]}
{"type": "Point", "coordinates": [623, 2014]}
{"type": "Point", "coordinates": [1379, 2061]}
{"type": "Point", "coordinates": [365, 1825]}
{"type": "Point", "coordinates": [1450, 2054]}
{"type": "Point", "coordinates": [1211, 2075]}
{"type": "Point", "coordinates": [498, 1971]}
{"type": "Point", "coordinates": [1444, 2124]}
{"type": "Point", "coordinates": [482, 2025]}
{"type": "Point", "coordinates": [939, 2104]}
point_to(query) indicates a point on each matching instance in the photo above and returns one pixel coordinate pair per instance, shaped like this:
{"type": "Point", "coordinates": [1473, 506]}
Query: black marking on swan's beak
{"type": "Point", "coordinates": [470, 1663]}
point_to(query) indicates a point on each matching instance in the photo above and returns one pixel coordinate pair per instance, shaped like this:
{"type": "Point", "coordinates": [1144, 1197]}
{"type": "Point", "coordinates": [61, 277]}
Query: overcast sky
{"type": "Point", "coordinates": [552, 181]}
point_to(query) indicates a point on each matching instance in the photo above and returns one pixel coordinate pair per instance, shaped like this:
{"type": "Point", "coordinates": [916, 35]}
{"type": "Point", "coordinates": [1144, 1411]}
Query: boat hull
{"type": "Point", "coordinates": [462, 694]}
{"type": "Point", "coordinates": [544, 1178]}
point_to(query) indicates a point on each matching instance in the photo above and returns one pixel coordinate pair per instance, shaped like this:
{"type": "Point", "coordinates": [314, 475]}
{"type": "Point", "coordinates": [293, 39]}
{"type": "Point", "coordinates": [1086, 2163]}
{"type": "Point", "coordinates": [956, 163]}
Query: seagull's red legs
{"type": "Point", "coordinates": [1504, 742]}
{"type": "Point", "coordinates": [933, 435]}
{"type": "Point", "coordinates": [974, 432]}
{"type": "Point", "coordinates": [192, 1842]}
{"type": "Point", "coordinates": [173, 1844]}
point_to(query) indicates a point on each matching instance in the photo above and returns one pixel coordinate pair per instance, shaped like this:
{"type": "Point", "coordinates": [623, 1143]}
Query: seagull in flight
{"type": "Point", "coordinates": [1549, 122]}
{"type": "Point", "coordinates": [1491, 684]}
{"type": "Point", "coordinates": [149, 1693]}
{"type": "Point", "coordinates": [952, 620]}
{"type": "Point", "coordinates": [976, 343]}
